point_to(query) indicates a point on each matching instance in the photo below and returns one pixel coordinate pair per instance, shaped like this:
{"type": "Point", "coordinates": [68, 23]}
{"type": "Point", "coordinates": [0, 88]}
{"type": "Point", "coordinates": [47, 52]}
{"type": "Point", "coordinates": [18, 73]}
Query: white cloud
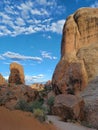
{"type": "Point", "coordinates": [46, 36]}
{"type": "Point", "coordinates": [20, 22]}
{"type": "Point", "coordinates": [4, 16]}
{"type": "Point", "coordinates": [49, 37]}
{"type": "Point", "coordinates": [48, 20]}
{"type": "Point", "coordinates": [47, 55]}
{"type": "Point", "coordinates": [35, 12]}
{"type": "Point", "coordinates": [54, 58]}
{"type": "Point", "coordinates": [29, 17]}
{"type": "Point", "coordinates": [26, 6]}
{"type": "Point", "coordinates": [6, 77]}
{"type": "Point", "coordinates": [34, 21]}
{"type": "Point", "coordinates": [35, 78]}
{"type": "Point", "coordinates": [4, 31]}
{"type": "Point", "coordinates": [25, 9]}
{"type": "Point", "coordinates": [57, 26]}
{"type": "Point", "coordinates": [40, 76]}
{"type": "Point", "coordinates": [47, 2]}
{"type": "Point", "coordinates": [17, 56]}
{"type": "Point", "coordinates": [22, 30]}
{"type": "Point", "coordinates": [95, 5]}
{"type": "Point", "coordinates": [39, 12]}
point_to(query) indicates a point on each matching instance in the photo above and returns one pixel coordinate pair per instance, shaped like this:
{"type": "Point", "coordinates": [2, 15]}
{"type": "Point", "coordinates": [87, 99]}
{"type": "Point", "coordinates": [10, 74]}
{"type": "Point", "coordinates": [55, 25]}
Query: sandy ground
{"type": "Point", "coordinates": [18, 120]}
{"type": "Point", "coordinates": [66, 126]}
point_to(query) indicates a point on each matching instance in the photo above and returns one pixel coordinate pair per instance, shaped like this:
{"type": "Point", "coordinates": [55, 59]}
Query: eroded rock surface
{"type": "Point", "coordinates": [16, 74]}
{"type": "Point", "coordinates": [79, 52]}
{"type": "Point", "coordinates": [69, 107]}
{"type": "Point", "coordinates": [10, 96]}
{"type": "Point", "coordinates": [90, 96]}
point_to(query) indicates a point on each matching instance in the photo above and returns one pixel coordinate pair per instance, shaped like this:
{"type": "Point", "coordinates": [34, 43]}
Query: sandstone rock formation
{"type": "Point", "coordinates": [37, 86]}
{"type": "Point", "coordinates": [69, 107]}
{"type": "Point", "coordinates": [16, 74]}
{"type": "Point", "coordinates": [9, 96]}
{"type": "Point", "coordinates": [48, 85]}
{"type": "Point", "coordinates": [90, 96]}
{"type": "Point", "coordinates": [79, 52]}
{"type": "Point", "coordinates": [2, 80]}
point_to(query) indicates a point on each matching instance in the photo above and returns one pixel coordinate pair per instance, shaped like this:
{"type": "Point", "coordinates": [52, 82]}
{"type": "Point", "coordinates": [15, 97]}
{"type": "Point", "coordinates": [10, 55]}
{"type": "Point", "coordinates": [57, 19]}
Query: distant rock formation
{"type": "Point", "coordinates": [48, 84]}
{"type": "Point", "coordinates": [10, 96]}
{"type": "Point", "coordinates": [16, 74]}
{"type": "Point", "coordinates": [37, 86]}
{"type": "Point", "coordinates": [2, 80]}
{"type": "Point", "coordinates": [79, 52]}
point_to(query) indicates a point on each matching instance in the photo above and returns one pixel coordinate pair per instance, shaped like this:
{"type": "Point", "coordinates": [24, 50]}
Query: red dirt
{"type": "Point", "coordinates": [18, 120]}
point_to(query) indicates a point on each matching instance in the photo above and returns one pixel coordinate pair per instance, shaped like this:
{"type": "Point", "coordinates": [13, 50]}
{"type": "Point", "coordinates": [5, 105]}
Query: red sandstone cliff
{"type": "Point", "coordinates": [79, 52]}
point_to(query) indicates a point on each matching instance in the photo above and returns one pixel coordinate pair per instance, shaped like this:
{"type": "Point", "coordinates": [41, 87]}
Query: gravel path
{"type": "Point", "coordinates": [66, 126]}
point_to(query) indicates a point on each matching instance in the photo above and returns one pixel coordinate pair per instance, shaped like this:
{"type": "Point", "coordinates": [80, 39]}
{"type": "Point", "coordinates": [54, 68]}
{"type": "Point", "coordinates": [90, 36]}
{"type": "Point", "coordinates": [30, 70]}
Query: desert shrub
{"type": "Point", "coordinates": [48, 88]}
{"type": "Point", "coordinates": [35, 107]}
{"type": "Point", "coordinates": [9, 85]}
{"type": "Point", "coordinates": [50, 122]}
{"type": "Point", "coordinates": [1, 100]}
{"type": "Point", "coordinates": [22, 105]}
{"type": "Point", "coordinates": [36, 104]}
{"type": "Point", "coordinates": [50, 103]}
{"type": "Point", "coordinates": [39, 114]}
{"type": "Point", "coordinates": [25, 106]}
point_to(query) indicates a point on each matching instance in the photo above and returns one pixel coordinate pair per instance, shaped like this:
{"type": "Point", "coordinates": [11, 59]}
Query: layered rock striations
{"type": "Point", "coordinates": [79, 52]}
{"type": "Point", "coordinates": [16, 74]}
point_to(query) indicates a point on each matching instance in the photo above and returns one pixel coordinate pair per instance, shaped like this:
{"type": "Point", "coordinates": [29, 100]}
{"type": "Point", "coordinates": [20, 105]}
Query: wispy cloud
{"type": "Point", "coordinates": [34, 78]}
{"type": "Point", "coordinates": [95, 5]}
{"type": "Point", "coordinates": [47, 36]}
{"type": "Point", "coordinates": [40, 76]}
{"type": "Point", "coordinates": [30, 17]}
{"type": "Point", "coordinates": [1, 57]}
{"type": "Point", "coordinates": [20, 21]}
{"type": "Point", "coordinates": [39, 12]}
{"type": "Point", "coordinates": [46, 2]}
{"type": "Point", "coordinates": [47, 55]}
{"type": "Point", "coordinates": [16, 56]}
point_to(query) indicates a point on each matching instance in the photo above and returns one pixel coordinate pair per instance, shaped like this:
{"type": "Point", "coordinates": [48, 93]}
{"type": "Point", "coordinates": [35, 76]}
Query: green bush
{"type": "Point", "coordinates": [51, 101]}
{"type": "Point", "coordinates": [22, 105]}
{"type": "Point", "coordinates": [39, 114]}
{"type": "Point", "coordinates": [1, 101]}
{"type": "Point", "coordinates": [36, 105]}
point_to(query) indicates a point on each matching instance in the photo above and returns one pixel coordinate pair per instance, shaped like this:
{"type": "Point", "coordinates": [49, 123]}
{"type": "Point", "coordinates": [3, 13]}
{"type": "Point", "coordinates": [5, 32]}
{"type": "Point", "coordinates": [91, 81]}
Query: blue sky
{"type": "Point", "coordinates": [31, 32]}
